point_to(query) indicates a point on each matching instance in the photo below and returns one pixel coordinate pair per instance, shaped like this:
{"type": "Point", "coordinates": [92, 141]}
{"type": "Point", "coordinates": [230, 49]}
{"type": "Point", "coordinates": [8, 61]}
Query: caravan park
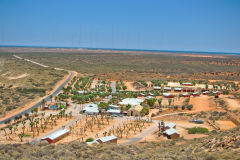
{"type": "Point", "coordinates": [95, 110]}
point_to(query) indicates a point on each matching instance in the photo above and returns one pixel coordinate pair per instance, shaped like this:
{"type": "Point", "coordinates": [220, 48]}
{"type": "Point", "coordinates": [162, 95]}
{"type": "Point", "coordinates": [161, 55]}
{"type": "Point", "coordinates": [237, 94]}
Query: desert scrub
{"type": "Point", "coordinates": [89, 140]}
{"type": "Point", "coordinates": [196, 130]}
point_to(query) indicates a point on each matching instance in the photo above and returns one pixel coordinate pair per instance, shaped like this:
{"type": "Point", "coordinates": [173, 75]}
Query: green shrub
{"type": "Point", "coordinates": [89, 140]}
{"type": "Point", "coordinates": [196, 130]}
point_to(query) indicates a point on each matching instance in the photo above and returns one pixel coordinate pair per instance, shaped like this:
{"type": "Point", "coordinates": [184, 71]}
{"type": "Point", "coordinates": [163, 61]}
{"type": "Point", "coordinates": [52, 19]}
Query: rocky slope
{"type": "Point", "coordinates": [219, 145]}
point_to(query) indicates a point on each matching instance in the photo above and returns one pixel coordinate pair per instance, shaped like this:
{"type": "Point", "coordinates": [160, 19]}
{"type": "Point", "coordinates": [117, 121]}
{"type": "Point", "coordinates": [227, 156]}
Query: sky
{"type": "Point", "coordinates": [183, 25]}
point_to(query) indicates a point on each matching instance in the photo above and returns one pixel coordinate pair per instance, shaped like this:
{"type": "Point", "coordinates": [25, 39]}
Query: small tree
{"type": "Point", "coordinates": [169, 101]}
{"type": "Point", "coordinates": [183, 107]}
{"type": "Point", "coordinates": [160, 101]}
{"type": "Point", "coordinates": [176, 107]}
{"type": "Point", "coordinates": [151, 102]}
{"type": "Point", "coordinates": [128, 107]}
{"type": "Point", "coordinates": [189, 107]}
{"type": "Point", "coordinates": [21, 136]}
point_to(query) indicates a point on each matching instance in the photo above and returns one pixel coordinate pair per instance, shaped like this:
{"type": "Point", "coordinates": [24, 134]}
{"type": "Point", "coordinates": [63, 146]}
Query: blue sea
{"type": "Point", "coordinates": [116, 49]}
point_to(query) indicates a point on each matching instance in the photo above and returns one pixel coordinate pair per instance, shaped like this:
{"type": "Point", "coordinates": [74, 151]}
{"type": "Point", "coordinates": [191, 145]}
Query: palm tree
{"type": "Point", "coordinates": [10, 127]}
{"type": "Point", "coordinates": [169, 101]}
{"type": "Point", "coordinates": [160, 101]}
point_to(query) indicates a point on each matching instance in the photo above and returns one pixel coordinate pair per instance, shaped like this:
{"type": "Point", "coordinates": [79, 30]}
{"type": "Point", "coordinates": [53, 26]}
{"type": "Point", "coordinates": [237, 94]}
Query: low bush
{"type": "Point", "coordinates": [196, 130]}
{"type": "Point", "coordinates": [89, 140]}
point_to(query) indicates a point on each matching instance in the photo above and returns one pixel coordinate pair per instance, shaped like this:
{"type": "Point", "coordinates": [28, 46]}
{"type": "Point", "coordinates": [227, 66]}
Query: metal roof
{"type": "Point", "coordinates": [167, 88]}
{"type": "Point", "coordinates": [57, 134]}
{"type": "Point", "coordinates": [187, 83]}
{"type": "Point", "coordinates": [169, 124]}
{"type": "Point", "coordinates": [171, 131]}
{"type": "Point", "coordinates": [93, 108]}
{"type": "Point", "coordinates": [82, 92]}
{"type": "Point", "coordinates": [107, 138]}
{"type": "Point", "coordinates": [114, 106]}
{"type": "Point", "coordinates": [148, 97]}
{"type": "Point", "coordinates": [117, 111]}
{"type": "Point", "coordinates": [178, 89]}
{"type": "Point", "coordinates": [166, 94]}
{"type": "Point", "coordinates": [131, 101]}
{"type": "Point", "coordinates": [196, 93]}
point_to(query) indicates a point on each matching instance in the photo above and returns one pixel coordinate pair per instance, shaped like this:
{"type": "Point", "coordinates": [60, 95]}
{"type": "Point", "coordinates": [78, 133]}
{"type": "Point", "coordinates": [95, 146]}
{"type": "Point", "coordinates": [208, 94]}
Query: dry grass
{"type": "Point", "coordinates": [199, 149]}
{"type": "Point", "coordinates": [22, 82]}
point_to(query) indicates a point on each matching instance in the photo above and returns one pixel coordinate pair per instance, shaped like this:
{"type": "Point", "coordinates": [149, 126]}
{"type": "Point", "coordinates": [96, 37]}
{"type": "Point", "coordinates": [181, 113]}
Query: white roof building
{"type": "Point", "coordinates": [82, 92]}
{"type": "Point", "coordinates": [113, 111]}
{"type": "Point", "coordinates": [157, 87]}
{"type": "Point", "coordinates": [177, 89]}
{"type": "Point", "coordinates": [103, 140]}
{"type": "Point", "coordinates": [56, 134]}
{"type": "Point", "coordinates": [196, 93]}
{"type": "Point", "coordinates": [206, 92]}
{"type": "Point", "coordinates": [171, 131]}
{"type": "Point", "coordinates": [166, 94]}
{"type": "Point", "coordinates": [187, 83]}
{"type": "Point", "coordinates": [91, 109]}
{"type": "Point", "coordinates": [167, 88]}
{"type": "Point", "coordinates": [114, 106]}
{"type": "Point", "coordinates": [106, 139]}
{"type": "Point", "coordinates": [169, 124]}
{"type": "Point", "coordinates": [148, 97]}
{"type": "Point", "coordinates": [151, 94]}
{"type": "Point", "coordinates": [215, 92]}
{"type": "Point", "coordinates": [131, 101]}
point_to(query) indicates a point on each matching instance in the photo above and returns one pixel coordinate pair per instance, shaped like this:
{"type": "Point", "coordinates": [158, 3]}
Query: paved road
{"type": "Point", "coordinates": [141, 135]}
{"type": "Point", "coordinates": [46, 98]}
{"type": "Point", "coordinates": [113, 85]}
{"type": "Point", "coordinates": [42, 65]}
{"type": "Point", "coordinates": [151, 129]}
{"type": "Point", "coordinates": [39, 103]}
{"type": "Point", "coordinates": [37, 140]}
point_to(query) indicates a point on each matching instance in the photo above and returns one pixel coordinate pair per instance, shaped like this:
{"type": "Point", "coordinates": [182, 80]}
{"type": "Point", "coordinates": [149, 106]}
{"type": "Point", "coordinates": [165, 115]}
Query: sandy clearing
{"type": "Point", "coordinates": [224, 125]}
{"type": "Point", "coordinates": [184, 133]}
{"type": "Point", "coordinates": [202, 103]}
{"type": "Point", "coordinates": [94, 82]}
{"type": "Point", "coordinates": [129, 86]}
{"type": "Point", "coordinates": [18, 77]}
{"type": "Point", "coordinates": [174, 84]}
{"type": "Point", "coordinates": [233, 103]}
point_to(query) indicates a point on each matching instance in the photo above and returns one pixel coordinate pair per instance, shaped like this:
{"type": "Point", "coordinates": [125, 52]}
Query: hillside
{"type": "Point", "coordinates": [219, 145]}
{"type": "Point", "coordinates": [22, 82]}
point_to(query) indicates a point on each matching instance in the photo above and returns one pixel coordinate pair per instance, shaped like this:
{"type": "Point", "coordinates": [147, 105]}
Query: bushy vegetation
{"type": "Point", "coordinates": [89, 140]}
{"type": "Point", "coordinates": [145, 66]}
{"type": "Point", "coordinates": [16, 92]}
{"type": "Point", "coordinates": [198, 149]}
{"type": "Point", "coordinates": [143, 83]}
{"type": "Point", "coordinates": [196, 130]}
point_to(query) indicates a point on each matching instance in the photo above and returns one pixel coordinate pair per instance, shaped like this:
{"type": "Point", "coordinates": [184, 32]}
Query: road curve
{"type": "Point", "coordinates": [39, 103]}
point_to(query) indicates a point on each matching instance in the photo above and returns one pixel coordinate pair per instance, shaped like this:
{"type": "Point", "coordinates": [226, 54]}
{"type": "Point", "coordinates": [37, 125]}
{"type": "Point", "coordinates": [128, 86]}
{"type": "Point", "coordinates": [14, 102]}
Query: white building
{"type": "Point", "coordinates": [91, 109]}
{"type": "Point", "coordinates": [131, 101]}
